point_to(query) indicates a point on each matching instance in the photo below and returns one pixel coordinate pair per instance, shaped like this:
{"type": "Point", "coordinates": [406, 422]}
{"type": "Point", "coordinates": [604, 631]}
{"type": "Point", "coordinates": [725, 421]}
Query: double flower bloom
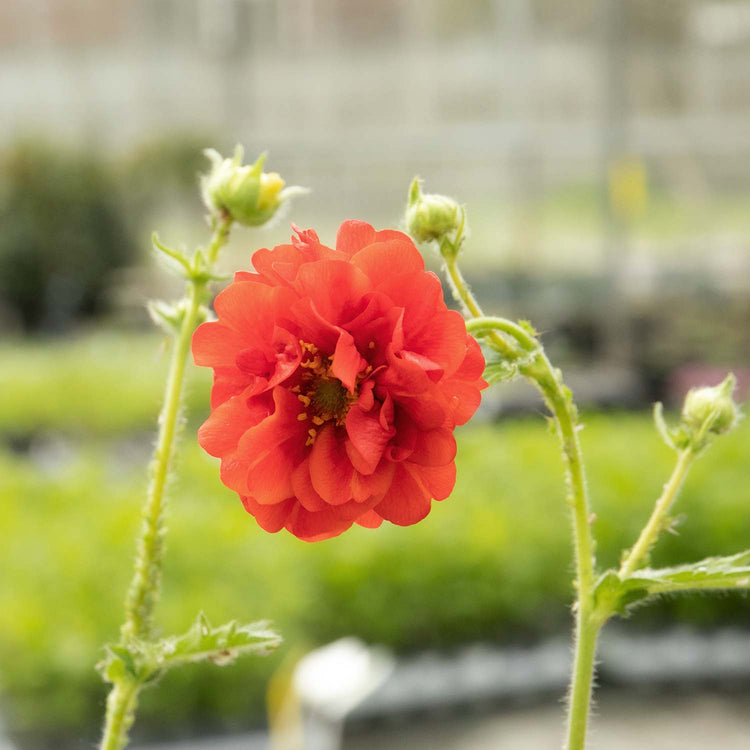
{"type": "Point", "coordinates": [339, 376]}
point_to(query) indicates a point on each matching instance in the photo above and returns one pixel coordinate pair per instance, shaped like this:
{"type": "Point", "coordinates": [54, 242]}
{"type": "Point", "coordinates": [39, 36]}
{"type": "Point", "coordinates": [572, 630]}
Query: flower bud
{"type": "Point", "coordinates": [433, 217]}
{"type": "Point", "coordinates": [710, 409]}
{"type": "Point", "coordinates": [249, 195]}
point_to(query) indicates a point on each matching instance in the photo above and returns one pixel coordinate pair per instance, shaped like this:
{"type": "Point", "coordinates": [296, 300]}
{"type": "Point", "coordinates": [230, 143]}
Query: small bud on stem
{"type": "Point", "coordinates": [245, 193]}
{"type": "Point", "coordinates": [709, 411]}
{"type": "Point", "coordinates": [435, 217]}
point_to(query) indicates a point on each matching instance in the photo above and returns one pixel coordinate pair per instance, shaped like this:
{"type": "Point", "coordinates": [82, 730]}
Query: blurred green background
{"type": "Point", "coordinates": [603, 152]}
{"type": "Point", "coordinates": [490, 563]}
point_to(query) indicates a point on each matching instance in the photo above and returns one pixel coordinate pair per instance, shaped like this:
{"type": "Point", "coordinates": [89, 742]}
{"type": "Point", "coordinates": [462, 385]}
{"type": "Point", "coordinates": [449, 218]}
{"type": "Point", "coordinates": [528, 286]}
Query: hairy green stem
{"type": "Point", "coordinates": [653, 528]}
{"type": "Point", "coordinates": [538, 369]}
{"type": "Point", "coordinates": [144, 588]}
{"type": "Point", "coordinates": [121, 704]}
{"type": "Point", "coordinates": [220, 237]}
{"type": "Point", "coordinates": [143, 592]}
{"type": "Point", "coordinates": [579, 698]}
{"type": "Point", "coordinates": [490, 325]}
{"type": "Point", "coordinates": [541, 372]}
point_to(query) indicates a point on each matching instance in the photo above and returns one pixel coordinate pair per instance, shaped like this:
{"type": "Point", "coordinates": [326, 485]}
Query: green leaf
{"type": "Point", "coordinates": [613, 594]}
{"type": "Point", "coordinates": [713, 573]}
{"type": "Point", "coordinates": [221, 645]}
{"type": "Point", "coordinates": [123, 663]}
{"type": "Point", "coordinates": [142, 661]}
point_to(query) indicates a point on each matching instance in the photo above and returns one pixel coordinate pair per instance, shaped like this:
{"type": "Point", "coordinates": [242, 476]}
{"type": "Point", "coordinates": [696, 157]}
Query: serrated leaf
{"type": "Point", "coordinates": [614, 594]}
{"type": "Point", "coordinates": [713, 573]}
{"type": "Point", "coordinates": [221, 645]}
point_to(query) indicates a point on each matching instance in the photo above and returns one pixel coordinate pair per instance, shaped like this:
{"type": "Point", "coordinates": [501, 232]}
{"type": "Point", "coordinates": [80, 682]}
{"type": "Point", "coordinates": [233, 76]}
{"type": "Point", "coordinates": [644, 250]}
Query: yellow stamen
{"type": "Point", "coordinates": [301, 417]}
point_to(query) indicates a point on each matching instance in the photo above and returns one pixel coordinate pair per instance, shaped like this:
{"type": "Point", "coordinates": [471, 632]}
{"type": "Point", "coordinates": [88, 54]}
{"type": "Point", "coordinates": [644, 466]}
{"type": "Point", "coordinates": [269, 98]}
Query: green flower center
{"type": "Point", "coordinates": [329, 398]}
{"type": "Point", "coordinates": [322, 395]}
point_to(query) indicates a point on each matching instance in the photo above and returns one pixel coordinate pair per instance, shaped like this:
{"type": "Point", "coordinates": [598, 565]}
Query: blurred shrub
{"type": "Point", "coordinates": [62, 235]}
{"type": "Point", "coordinates": [105, 384]}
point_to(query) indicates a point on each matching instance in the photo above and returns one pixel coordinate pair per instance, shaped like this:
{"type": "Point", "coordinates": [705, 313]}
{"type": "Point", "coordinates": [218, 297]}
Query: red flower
{"type": "Point", "coordinates": [339, 376]}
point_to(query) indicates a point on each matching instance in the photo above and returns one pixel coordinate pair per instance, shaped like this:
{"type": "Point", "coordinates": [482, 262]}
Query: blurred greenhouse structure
{"type": "Point", "coordinates": [607, 142]}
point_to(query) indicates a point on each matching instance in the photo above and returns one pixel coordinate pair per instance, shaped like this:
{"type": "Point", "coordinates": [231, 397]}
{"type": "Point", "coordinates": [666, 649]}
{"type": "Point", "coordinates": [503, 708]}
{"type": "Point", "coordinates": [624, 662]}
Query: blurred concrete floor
{"type": "Point", "coordinates": [621, 722]}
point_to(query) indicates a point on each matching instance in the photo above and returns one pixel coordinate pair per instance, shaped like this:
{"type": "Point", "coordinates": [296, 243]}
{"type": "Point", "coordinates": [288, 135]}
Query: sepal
{"type": "Point", "coordinates": [174, 261]}
{"type": "Point", "coordinates": [673, 438]}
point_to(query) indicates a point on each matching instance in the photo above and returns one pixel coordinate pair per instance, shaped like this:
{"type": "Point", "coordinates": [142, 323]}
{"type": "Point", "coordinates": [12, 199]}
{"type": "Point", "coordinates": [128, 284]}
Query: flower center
{"type": "Point", "coordinates": [322, 395]}
{"type": "Point", "coordinates": [329, 398]}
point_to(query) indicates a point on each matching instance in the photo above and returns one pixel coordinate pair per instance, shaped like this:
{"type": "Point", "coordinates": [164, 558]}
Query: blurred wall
{"type": "Point", "coordinates": [498, 102]}
{"type": "Point", "coordinates": [501, 84]}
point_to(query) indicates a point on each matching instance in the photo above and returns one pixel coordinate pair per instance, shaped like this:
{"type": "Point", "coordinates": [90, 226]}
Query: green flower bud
{"type": "Point", "coordinates": [710, 410]}
{"type": "Point", "coordinates": [433, 217]}
{"type": "Point", "coordinates": [249, 195]}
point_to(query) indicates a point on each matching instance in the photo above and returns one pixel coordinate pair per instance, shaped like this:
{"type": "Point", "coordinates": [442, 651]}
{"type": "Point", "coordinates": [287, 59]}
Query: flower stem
{"type": "Point", "coordinates": [558, 399]}
{"type": "Point", "coordinates": [220, 237]}
{"type": "Point", "coordinates": [144, 588]}
{"type": "Point", "coordinates": [463, 294]}
{"type": "Point", "coordinates": [538, 369]}
{"type": "Point", "coordinates": [587, 632]}
{"type": "Point", "coordinates": [651, 530]}
{"type": "Point", "coordinates": [121, 703]}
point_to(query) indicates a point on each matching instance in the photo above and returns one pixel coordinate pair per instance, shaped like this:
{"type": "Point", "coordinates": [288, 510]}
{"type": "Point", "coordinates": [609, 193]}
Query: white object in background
{"type": "Point", "coordinates": [332, 681]}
